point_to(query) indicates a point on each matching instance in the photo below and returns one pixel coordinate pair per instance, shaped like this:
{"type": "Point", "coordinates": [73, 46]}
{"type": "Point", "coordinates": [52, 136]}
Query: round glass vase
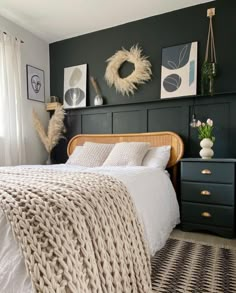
{"type": "Point", "coordinates": [206, 152]}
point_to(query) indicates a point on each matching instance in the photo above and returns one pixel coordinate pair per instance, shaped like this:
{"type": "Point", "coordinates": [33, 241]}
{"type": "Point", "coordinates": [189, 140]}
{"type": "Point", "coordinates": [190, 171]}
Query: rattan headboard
{"type": "Point", "coordinates": [154, 138]}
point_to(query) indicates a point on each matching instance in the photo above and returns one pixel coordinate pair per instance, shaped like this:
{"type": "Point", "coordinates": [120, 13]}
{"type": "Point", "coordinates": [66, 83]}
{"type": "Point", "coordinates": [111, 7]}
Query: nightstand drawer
{"type": "Point", "coordinates": [208, 172]}
{"type": "Point", "coordinates": [208, 214]}
{"type": "Point", "coordinates": [212, 193]}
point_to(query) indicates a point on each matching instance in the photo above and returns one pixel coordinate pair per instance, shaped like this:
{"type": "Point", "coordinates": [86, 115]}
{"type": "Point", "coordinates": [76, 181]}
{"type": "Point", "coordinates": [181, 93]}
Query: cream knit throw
{"type": "Point", "coordinates": [78, 231]}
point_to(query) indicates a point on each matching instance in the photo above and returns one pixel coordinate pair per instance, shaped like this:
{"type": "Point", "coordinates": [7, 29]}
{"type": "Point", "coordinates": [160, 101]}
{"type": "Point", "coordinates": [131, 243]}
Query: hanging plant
{"type": "Point", "coordinates": [142, 70]}
{"type": "Point", "coordinates": [209, 70]}
{"type": "Point", "coordinates": [208, 77]}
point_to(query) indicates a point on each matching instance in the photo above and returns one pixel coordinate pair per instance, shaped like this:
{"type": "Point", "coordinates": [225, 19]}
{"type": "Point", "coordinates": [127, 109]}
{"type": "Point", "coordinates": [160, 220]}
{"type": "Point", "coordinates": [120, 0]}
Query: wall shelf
{"type": "Point", "coordinates": [154, 101]}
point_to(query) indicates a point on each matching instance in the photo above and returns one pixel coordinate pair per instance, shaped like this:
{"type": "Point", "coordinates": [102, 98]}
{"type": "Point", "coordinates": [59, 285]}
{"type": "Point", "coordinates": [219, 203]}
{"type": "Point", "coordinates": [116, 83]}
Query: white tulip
{"type": "Point", "coordinates": [209, 122]}
{"type": "Point", "coordinates": [199, 123]}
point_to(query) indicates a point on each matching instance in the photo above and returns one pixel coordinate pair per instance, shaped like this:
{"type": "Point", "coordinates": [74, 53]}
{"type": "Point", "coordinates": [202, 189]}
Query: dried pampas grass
{"type": "Point", "coordinates": [142, 70]}
{"type": "Point", "coordinates": [55, 128]}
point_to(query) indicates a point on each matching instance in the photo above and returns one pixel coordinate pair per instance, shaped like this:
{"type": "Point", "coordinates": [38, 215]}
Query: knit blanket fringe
{"type": "Point", "coordinates": [78, 232]}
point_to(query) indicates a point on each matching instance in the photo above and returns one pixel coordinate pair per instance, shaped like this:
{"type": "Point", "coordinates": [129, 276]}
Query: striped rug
{"type": "Point", "coordinates": [186, 266]}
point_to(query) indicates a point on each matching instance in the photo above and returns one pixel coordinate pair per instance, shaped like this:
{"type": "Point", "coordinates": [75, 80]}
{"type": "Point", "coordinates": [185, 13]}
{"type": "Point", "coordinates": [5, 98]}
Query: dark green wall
{"type": "Point", "coordinates": [152, 34]}
{"type": "Point", "coordinates": [145, 111]}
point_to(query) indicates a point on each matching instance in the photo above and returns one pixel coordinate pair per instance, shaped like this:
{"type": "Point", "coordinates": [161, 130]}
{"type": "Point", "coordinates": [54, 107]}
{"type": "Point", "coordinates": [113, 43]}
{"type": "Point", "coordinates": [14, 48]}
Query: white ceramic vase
{"type": "Point", "coordinates": [206, 152]}
{"type": "Point", "coordinates": [98, 101]}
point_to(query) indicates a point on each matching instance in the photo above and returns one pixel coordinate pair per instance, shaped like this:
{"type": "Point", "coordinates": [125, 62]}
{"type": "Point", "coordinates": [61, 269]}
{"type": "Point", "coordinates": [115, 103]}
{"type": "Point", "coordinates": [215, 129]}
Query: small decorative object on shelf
{"type": "Point", "coordinates": [98, 100]}
{"type": "Point", "coordinates": [54, 99]}
{"type": "Point", "coordinates": [206, 137]}
{"type": "Point", "coordinates": [55, 129]}
{"type": "Point", "coordinates": [52, 106]}
{"type": "Point", "coordinates": [141, 74]}
{"type": "Point", "coordinates": [209, 66]}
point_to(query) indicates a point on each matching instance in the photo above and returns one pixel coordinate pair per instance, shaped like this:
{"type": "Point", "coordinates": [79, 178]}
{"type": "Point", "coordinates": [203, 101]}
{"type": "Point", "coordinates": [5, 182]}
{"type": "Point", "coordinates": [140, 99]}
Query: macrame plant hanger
{"type": "Point", "coordinates": [209, 65]}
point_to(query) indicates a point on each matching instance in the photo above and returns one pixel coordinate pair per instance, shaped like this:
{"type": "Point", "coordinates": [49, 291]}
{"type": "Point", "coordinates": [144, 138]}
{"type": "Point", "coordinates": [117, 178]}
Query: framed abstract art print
{"type": "Point", "coordinates": [75, 79]}
{"type": "Point", "coordinates": [179, 71]}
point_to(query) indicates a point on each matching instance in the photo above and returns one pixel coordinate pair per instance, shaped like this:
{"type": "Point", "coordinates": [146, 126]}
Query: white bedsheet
{"type": "Point", "coordinates": [156, 205]}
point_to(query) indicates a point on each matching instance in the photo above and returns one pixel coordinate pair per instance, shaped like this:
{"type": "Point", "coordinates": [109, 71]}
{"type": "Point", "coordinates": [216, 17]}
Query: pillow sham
{"type": "Point", "coordinates": [157, 157]}
{"type": "Point", "coordinates": [127, 154]}
{"type": "Point", "coordinates": [92, 154]}
{"type": "Point", "coordinates": [72, 158]}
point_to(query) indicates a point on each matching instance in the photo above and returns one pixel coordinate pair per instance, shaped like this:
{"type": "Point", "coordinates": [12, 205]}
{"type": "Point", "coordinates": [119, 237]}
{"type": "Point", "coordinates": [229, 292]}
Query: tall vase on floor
{"type": "Point", "coordinates": [206, 152]}
{"type": "Point", "coordinates": [49, 159]}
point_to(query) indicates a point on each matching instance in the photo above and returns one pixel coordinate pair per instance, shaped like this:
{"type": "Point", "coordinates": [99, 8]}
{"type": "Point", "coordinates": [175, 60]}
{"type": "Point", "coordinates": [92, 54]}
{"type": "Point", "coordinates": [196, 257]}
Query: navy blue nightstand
{"type": "Point", "coordinates": [208, 195]}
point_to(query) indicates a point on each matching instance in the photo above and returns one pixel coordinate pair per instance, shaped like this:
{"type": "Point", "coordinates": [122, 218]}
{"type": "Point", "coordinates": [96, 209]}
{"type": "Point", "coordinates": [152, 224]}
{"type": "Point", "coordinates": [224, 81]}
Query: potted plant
{"type": "Point", "coordinates": [205, 130]}
{"type": "Point", "coordinates": [54, 132]}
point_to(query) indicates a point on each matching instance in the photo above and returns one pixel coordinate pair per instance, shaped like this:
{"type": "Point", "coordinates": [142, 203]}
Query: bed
{"type": "Point", "coordinates": [150, 190]}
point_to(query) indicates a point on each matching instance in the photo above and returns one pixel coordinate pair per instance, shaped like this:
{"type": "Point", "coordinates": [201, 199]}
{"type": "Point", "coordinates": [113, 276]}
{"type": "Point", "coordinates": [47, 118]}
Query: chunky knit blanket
{"type": "Point", "coordinates": [78, 231]}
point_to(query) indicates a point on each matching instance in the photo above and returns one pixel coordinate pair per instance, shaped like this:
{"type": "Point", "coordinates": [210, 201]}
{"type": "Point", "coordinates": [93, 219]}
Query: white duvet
{"type": "Point", "coordinates": [153, 196]}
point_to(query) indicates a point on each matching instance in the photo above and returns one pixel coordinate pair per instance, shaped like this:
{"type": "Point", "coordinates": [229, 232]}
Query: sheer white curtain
{"type": "Point", "coordinates": [12, 148]}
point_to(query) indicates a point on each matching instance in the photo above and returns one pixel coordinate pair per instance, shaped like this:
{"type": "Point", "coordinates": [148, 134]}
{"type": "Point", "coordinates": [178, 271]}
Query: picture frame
{"type": "Point", "coordinates": [35, 84]}
{"type": "Point", "coordinates": [75, 86]}
{"type": "Point", "coordinates": [179, 70]}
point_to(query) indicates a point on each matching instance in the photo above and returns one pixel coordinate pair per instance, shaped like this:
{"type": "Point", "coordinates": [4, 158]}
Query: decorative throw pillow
{"type": "Point", "coordinates": [74, 155]}
{"type": "Point", "coordinates": [93, 154]}
{"type": "Point", "coordinates": [127, 154]}
{"type": "Point", "coordinates": [157, 157]}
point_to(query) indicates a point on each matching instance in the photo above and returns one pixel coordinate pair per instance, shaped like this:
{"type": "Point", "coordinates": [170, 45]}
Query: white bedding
{"type": "Point", "coordinates": [156, 205]}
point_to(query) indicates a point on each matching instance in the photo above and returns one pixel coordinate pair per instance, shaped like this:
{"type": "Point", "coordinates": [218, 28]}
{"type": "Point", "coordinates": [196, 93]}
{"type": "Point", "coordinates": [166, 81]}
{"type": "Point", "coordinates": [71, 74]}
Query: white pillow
{"type": "Point", "coordinates": [157, 157]}
{"type": "Point", "coordinates": [73, 156]}
{"type": "Point", "coordinates": [92, 154]}
{"type": "Point", "coordinates": [127, 154]}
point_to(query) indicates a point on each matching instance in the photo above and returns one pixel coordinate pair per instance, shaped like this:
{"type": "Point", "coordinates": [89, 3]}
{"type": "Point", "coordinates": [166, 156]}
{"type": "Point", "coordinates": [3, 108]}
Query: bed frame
{"type": "Point", "coordinates": [154, 138]}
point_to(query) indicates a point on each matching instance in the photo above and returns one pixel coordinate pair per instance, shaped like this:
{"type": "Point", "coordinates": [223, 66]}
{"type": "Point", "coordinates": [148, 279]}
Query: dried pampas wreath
{"type": "Point", "coordinates": [142, 70]}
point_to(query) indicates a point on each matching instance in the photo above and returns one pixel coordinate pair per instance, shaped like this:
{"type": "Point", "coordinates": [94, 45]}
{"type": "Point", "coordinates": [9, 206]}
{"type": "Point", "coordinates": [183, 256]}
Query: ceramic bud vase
{"type": "Point", "coordinates": [206, 152]}
{"type": "Point", "coordinates": [98, 101]}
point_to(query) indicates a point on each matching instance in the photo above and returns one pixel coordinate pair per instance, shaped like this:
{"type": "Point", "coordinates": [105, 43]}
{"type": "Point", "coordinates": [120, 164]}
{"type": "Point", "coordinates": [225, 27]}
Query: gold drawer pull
{"type": "Point", "coordinates": [206, 215]}
{"type": "Point", "coordinates": [206, 172]}
{"type": "Point", "coordinates": [205, 192]}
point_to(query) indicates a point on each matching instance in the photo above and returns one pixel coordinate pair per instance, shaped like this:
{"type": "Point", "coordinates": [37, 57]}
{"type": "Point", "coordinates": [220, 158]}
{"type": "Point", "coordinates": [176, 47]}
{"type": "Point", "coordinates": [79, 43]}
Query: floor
{"type": "Point", "coordinates": [204, 237]}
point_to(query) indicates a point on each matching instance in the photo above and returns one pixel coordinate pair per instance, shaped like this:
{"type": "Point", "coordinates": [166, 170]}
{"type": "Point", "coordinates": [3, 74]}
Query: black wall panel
{"type": "Point", "coordinates": [130, 121]}
{"type": "Point", "coordinates": [168, 119]}
{"type": "Point", "coordinates": [162, 115]}
{"type": "Point", "coordinates": [96, 123]}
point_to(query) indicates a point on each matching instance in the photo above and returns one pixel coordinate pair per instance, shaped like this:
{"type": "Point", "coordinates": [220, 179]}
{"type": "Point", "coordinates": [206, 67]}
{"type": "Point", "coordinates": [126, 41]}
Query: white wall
{"type": "Point", "coordinates": [35, 52]}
